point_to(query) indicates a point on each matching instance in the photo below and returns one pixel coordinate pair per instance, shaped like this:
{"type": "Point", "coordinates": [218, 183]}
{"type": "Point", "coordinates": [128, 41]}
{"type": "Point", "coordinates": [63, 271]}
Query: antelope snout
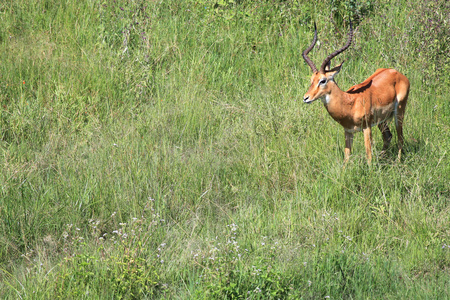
{"type": "Point", "coordinates": [306, 99]}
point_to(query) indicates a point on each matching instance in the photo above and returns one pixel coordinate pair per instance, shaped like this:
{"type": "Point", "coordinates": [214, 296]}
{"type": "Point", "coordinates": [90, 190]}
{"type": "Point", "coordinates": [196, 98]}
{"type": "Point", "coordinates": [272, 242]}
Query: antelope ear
{"type": "Point", "coordinates": [331, 73]}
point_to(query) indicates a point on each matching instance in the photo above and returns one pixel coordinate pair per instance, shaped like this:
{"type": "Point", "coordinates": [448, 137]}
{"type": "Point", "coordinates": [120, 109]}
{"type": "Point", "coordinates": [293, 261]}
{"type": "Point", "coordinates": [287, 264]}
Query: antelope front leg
{"type": "Point", "coordinates": [348, 146]}
{"type": "Point", "coordinates": [368, 143]}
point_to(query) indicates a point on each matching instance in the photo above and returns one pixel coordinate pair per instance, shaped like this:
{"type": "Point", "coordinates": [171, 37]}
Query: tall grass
{"type": "Point", "coordinates": [160, 150]}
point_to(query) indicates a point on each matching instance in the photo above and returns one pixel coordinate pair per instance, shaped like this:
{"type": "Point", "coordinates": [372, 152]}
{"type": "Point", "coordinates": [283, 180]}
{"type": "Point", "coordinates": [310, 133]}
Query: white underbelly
{"type": "Point", "coordinates": [381, 115]}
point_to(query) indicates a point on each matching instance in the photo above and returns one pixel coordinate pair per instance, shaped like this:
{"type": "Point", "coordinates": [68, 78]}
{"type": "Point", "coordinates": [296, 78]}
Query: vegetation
{"type": "Point", "coordinates": [160, 149]}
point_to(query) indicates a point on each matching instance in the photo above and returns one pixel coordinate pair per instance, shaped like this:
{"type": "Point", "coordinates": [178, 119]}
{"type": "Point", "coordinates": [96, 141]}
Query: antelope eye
{"type": "Point", "coordinates": [323, 81]}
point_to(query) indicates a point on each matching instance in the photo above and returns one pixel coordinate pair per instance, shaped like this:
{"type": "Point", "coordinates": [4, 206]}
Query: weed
{"type": "Point", "coordinates": [193, 102]}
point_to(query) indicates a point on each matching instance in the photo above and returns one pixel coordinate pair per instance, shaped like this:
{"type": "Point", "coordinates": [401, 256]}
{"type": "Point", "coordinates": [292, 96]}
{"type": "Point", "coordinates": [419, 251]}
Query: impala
{"type": "Point", "coordinates": [373, 102]}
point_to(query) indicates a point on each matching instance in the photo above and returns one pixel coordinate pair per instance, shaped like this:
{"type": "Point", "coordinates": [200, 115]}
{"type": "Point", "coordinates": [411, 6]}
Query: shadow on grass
{"type": "Point", "coordinates": [411, 148]}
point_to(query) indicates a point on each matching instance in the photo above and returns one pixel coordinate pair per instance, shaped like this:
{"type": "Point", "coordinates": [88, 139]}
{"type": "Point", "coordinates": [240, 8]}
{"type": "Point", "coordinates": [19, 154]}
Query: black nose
{"type": "Point", "coordinates": [306, 99]}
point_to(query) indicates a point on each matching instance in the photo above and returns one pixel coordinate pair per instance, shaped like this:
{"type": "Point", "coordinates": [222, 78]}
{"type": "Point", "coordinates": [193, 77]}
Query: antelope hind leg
{"type": "Point", "coordinates": [387, 136]}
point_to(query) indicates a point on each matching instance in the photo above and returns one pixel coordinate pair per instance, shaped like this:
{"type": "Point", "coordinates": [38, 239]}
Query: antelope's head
{"type": "Point", "coordinates": [320, 86]}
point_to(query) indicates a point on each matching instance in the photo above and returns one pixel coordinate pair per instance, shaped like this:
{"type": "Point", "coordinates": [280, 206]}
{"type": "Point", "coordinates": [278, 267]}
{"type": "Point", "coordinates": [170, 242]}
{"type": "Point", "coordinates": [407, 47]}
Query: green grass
{"type": "Point", "coordinates": [160, 149]}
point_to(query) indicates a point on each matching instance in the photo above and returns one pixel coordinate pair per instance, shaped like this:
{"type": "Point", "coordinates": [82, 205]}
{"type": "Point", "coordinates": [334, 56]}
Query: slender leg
{"type": "Point", "coordinates": [387, 135]}
{"type": "Point", "coordinates": [402, 90]}
{"type": "Point", "coordinates": [348, 146]}
{"type": "Point", "coordinates": [399, 127]}
{"type": "Point", "coordinates": [368, 143]}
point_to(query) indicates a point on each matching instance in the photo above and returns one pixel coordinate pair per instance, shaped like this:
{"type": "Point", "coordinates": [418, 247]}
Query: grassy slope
{"type": "Point", "coordinates": [188, 123]}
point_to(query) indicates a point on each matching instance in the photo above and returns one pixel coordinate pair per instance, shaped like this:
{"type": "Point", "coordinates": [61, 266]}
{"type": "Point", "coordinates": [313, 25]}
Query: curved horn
{"type": "Point", "coordinates": [335, 53]}
{"type": "Point", "coordinates": [304, 54]}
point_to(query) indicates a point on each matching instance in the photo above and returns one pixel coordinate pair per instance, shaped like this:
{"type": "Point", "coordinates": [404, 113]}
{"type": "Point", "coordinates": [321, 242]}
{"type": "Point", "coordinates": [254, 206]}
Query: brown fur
{"type": "Point", "coordinates": [372, 102]}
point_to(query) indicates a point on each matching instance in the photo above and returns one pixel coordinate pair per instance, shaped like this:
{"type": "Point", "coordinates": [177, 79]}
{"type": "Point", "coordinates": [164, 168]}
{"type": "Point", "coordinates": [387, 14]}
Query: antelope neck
{"type": "Point", "coordinates": [338, 103]}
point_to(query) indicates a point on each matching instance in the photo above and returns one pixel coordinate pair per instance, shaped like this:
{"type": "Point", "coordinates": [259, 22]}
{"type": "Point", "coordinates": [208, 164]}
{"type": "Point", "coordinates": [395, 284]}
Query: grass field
{"type": "Point", "coordinates": [161, 149]}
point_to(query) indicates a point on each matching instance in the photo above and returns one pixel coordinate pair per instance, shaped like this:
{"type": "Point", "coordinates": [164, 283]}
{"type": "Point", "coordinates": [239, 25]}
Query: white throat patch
{"type": "Point", "coordinates": [326, 99]}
